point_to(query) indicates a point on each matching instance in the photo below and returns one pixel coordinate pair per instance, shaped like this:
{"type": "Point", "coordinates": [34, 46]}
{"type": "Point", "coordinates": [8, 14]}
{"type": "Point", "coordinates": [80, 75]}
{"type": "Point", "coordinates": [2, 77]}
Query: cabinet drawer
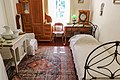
{"type": "Point", "coordinates": [82, 30]}
{"type": "Point", "coordinates": [47, 34]}
{"type": "Point", "coordinates": [86, 30]}
{"type": "Point", "coordinates": [47, 27]}
{"type": "Point", "coordinates": [47, 30]}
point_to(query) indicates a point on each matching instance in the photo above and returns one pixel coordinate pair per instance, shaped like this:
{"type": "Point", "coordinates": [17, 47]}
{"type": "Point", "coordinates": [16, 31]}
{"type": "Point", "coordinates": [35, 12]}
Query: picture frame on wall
{"type": "Point", "coordinates": [116, 1]}
{"type": "Point", "coordinates": [80, 1]}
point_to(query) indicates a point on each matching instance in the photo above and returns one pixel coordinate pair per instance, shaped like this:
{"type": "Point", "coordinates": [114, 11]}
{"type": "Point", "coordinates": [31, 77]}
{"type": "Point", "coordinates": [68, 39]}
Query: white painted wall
{"type": "Point", "coordinates": [3, 20]}
{"type": "Point", "coordinates": [109, 22]}
{"type": "Point", "coordinates": [75, 6]}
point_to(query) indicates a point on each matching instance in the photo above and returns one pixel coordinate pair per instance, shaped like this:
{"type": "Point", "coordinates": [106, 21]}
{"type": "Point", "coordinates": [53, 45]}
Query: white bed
{"type": "Point", "coordinates": [81, 46]}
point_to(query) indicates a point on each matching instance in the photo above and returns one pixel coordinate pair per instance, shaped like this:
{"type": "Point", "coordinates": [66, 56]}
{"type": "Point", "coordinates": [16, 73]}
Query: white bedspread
{"type": "Point", "coordinates": [85, 39]}
{"type": "Point", "coordinates": [81, 46]}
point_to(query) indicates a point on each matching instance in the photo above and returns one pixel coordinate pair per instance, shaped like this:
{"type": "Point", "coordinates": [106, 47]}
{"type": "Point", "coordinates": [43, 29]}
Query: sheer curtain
{"type": "Point", "coordinates": [59, 10]}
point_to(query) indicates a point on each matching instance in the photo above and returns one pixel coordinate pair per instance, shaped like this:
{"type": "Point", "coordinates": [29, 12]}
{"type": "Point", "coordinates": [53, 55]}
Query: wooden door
{"type": "Point", "coordinates": [36, 11]}
{"type": "Point", "coordinates": [37, 17]}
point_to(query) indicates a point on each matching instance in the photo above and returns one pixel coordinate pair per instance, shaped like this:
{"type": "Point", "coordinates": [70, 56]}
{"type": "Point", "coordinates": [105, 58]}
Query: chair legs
{"type": "Point", "coordinates": [54, 35]}
{"type": "Point", "coordinates": [62, 38]}
{"type": "Point", "coordinates": [53, 38]}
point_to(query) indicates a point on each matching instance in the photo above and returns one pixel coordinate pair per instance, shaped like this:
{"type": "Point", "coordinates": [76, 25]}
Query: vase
{"type": "Point", "coordinates": [8, 30]}
{"type": "Point", "coordinates": [8, 34]}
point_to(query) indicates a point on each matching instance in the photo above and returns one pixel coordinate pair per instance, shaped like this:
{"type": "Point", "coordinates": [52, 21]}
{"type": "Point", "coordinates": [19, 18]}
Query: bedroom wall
{"type": "Point", "coordinates": [75, 6]}
{"type": "Point", "coordinates": [3, 20]}
{"type": "Point", "coordinates": [46, 6]}
{"type": "Point", "coordinates": [109, 25]}
{"type": "Point", "coordinates": [7, 14]}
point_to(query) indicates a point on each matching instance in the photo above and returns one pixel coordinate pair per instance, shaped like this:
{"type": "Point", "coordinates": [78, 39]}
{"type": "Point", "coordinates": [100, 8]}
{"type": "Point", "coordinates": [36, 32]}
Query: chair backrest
{"type": "Point", "coordinates": [58, 27]}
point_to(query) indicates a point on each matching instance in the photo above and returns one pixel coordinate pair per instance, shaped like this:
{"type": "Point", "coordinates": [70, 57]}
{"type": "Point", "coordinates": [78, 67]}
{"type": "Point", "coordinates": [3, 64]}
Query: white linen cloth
{"type": "Point", "coordinates": [32, 44]}
{"type": "Point", "coordinates": [6, 53]}
{"type": "Point", "coordinates": [3, 74]}
{"type": "Point", "coordinates": [81, 46]}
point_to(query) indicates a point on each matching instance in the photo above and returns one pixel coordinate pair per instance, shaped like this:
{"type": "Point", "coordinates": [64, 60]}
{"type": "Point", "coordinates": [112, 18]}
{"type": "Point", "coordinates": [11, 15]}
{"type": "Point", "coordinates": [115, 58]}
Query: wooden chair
{"type": "Point", "coordinates": [58, 29]}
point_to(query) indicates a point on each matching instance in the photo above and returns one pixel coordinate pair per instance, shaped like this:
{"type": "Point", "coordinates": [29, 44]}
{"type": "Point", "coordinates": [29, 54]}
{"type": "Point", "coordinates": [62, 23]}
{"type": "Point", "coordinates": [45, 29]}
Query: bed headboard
{"type": "Point", "coordinates": [105, 67]}
{"type": "Point", "coordinates": [94, 28]}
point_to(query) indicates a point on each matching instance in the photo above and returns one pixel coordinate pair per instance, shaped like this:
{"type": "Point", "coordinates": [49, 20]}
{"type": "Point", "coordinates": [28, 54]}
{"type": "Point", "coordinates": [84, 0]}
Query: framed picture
{"type": "Point", "coordinates": [116, 1]}
{"type": "Point", "coordinates": [80, 1]}
{"type": "Point", "coordinates": [83, 16]}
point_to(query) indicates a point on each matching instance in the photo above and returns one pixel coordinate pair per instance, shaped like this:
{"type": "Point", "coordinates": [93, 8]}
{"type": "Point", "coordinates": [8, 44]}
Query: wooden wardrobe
{"type": "Point", "coordinates": [33, 19]}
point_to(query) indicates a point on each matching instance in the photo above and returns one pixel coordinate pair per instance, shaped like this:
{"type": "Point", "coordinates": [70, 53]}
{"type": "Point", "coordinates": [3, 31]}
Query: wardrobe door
{"type": "Point", "coordinates": [36, 10]}
{"type": "Point", "coordinates": [37, 17]}
{"type": "Point", "coordinates": [27, 27]}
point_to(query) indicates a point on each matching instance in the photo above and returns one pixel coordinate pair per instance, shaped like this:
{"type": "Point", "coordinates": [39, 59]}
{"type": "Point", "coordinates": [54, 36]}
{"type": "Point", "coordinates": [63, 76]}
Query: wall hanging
{"type": "Point", "coordinates": [101, 9]}
{"type": "Point", "coordinates": [80, 1]}
{"type": "Point", "coordinates": [83, 16]}
{"type": "Point", "coordinates": [116, 1]}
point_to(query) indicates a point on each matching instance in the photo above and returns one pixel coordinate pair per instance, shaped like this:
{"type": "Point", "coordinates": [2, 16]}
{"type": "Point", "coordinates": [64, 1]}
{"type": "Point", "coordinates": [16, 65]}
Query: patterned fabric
{"type": "Point", "coordinates": [49, 63]}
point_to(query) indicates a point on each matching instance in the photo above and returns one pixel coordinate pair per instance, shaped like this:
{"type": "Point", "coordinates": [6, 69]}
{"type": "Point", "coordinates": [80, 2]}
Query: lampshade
{"type": "Point", "coordinates": [74, 16]}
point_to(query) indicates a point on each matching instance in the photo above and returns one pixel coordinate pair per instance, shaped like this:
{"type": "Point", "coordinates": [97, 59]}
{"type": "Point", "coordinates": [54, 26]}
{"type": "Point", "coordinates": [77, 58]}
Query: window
{"type": "Point", "coordinates": [59, 10]}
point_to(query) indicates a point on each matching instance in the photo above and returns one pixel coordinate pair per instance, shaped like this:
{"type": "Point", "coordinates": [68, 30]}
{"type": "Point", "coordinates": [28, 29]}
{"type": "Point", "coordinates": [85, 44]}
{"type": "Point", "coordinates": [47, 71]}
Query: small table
{"type": "Point", "coordinates": [70, 30]}
{"type": "Point", "coordinates": [17, 47]}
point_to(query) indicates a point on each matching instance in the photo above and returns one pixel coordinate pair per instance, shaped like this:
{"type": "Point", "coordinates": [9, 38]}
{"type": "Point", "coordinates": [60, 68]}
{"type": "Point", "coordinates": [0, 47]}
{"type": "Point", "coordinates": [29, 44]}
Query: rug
{"type": "Point", "coordinates": [49, 63]}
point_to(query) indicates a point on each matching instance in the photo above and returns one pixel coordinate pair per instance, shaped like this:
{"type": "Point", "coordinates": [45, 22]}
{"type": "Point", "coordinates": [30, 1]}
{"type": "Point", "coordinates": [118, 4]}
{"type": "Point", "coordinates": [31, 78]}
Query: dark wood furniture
{"type": "Point", "coordinates": [71, 30]}
{"type": "Point", "coordinates": [34, 19]}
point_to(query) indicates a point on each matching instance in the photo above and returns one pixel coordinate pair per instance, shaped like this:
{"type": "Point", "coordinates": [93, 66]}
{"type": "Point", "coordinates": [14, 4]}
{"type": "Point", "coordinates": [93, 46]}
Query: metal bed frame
{"type": "Point", "coordinates": [112, 74]}
{"type": "Point", "coordinates": [93, 28]}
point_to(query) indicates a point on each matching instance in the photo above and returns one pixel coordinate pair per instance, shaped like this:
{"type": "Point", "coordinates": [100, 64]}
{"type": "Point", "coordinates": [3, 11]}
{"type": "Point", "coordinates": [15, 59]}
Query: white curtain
{"type": "Point", "coordinates": [52, 11]}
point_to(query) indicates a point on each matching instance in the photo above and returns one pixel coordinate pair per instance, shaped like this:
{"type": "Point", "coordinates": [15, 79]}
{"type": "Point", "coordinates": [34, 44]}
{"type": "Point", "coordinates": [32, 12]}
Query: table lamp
{"type": "Point", "coordinates": [74, 18]}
